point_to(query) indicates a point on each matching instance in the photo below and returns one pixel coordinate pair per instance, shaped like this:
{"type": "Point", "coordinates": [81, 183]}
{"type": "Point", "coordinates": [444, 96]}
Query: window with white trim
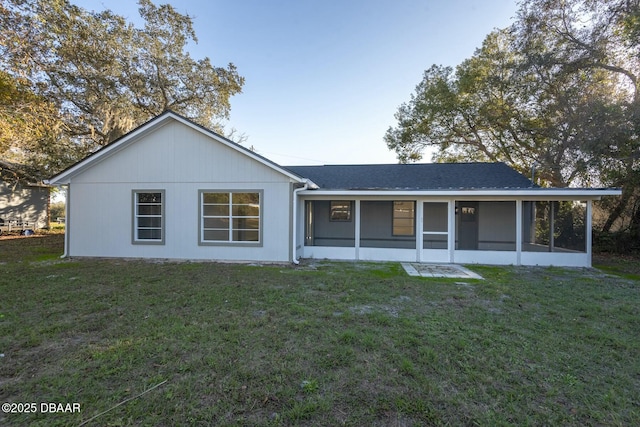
{"type": "Point", "coordinates": [148, 216]}
{"type": "Point", "coordinates": [230, 217]}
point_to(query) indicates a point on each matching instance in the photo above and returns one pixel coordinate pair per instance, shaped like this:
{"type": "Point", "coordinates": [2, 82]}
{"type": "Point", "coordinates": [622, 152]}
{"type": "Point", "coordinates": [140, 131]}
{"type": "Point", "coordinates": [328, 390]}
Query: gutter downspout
{"type": "Point", "coordinates": [294, 233]}
{"type": "Point", "coordinates": [67, 229]}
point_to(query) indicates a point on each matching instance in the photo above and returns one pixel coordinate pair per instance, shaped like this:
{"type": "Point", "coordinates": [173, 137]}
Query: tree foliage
{"type": "Point", "coordinates": [104, 76]}
{"type": "Point", "coordinates": [558, 89]}
{"type": "Point", "coordinates": [31, 132]}
{"type": "Point", "coordinates": [592, 36]}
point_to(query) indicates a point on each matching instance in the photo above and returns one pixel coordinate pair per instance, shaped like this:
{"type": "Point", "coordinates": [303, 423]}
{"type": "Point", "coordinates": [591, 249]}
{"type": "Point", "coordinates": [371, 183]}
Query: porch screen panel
{"type": "Point", "coordinates": [330, 223]}
{"type": "Point", "coordinates": [497, 226]}
{"type": "Point", "coordinates": [379, 220]}
{"type": "Point", "coordinates": [435, 225]}
{"type": "Point", "coordinates": [554, 226]}
{"type": "Point", "coordinates": [486, 225]}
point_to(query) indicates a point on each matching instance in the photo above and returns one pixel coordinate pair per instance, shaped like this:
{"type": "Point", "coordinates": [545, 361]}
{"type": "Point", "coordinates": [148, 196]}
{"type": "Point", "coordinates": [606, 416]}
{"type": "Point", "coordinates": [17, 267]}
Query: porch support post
{"type": "Point", "coordinates": [451, 230]}
{"type": "Point", "coordinates": [552, 220]}
{"type": "Point", "coordinates": [419, 229]}
{"type": "Point", "coordinates": [357, 230]}
{"type": "Point", "coordinates": [588, 232]}
{"type": "Point", "coordinates": [518, 232]}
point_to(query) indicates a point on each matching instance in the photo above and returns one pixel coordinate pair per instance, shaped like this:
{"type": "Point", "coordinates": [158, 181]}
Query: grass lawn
{"type": "Point", "coordinates": [319, 344]}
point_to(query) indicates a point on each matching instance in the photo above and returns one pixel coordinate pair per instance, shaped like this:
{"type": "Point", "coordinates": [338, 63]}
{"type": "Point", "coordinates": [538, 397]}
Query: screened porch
{"type": "Point", "coordinates": [448, 230]}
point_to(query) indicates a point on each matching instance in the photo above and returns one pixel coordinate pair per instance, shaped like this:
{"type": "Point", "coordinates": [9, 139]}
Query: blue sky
{"type": "Point", "coordinates": [324, 78]}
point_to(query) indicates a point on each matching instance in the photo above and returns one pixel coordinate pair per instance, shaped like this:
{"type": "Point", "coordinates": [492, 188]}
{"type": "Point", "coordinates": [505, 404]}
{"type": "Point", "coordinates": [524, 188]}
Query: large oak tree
{"type": "Point", "coordinates": [558, 90]}
{"type": "Point", "coordinates": [102, 75]}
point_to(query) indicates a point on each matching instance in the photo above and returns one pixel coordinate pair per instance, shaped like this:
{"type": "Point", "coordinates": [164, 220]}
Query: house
{"type": "Point", "coordinates": [24, 202]}
{"type": "Point", "coordinates": [173, 189]}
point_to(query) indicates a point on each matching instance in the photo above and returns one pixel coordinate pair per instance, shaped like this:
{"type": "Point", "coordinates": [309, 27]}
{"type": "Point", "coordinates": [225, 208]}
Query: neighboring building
{"type": "Point", "coordinates": [24, 202]}
{"type": "Point", "coordinates": [173, 189]}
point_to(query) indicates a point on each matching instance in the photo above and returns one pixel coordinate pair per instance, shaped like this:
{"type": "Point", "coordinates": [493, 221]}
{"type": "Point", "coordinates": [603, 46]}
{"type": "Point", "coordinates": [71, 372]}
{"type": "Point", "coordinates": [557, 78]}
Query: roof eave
{"type": "Point", "coordinates": [587, 193]}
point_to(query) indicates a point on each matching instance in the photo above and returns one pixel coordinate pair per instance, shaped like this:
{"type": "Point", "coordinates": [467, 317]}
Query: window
{"type": "Point", "coordinates": [466, 210]}
{"type": "Point", "coordinates": [340, 211]}
{"type": "Point", "coordinates": [148, 216]}
{"type": "Point", "coordinates": [229, 217]}
{"type": "Point", "coordinates": [403, 218]}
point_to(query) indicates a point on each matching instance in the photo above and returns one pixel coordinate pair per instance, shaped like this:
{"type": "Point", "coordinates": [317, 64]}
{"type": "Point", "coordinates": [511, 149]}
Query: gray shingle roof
{"type": "Point", "coordinates": [415, 176]}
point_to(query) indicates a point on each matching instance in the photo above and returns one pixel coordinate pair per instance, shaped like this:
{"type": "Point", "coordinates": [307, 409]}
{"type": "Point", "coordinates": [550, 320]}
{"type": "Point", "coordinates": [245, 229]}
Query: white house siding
{"type": "Point", "coordinates": [24, 204]}
{"type": "Point", "coordinates": [181, 161]}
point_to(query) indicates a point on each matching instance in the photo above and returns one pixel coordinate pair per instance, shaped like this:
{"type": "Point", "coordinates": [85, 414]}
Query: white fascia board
{"type": "Point", "coordinates": [65, 176]}
{"type": "Point", "coordinates": [537, 193]}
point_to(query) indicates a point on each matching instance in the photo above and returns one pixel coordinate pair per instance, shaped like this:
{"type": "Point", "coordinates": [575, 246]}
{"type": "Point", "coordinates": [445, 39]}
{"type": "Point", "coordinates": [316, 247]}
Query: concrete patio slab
{"type": "Point", "coordinates": [439, 270]}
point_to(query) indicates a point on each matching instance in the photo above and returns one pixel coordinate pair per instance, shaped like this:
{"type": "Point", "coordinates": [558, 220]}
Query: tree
{"type": "Point", "coordinates": [30, 130]}
{"type": "Point", "coordinates": [558, 89]}
{"type": "Point", "coordinates": [597, 36]}
{"type": "Point", "coordinates": [103, 75]}
{"type": "Point", "coordinates": [491, 108]}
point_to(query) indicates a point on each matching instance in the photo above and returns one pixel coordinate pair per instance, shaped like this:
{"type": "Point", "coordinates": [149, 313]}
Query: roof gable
{"type": "Point", "coordinates": [415, 176]}
{"type": "Point", "coordinates": [150, 126]}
